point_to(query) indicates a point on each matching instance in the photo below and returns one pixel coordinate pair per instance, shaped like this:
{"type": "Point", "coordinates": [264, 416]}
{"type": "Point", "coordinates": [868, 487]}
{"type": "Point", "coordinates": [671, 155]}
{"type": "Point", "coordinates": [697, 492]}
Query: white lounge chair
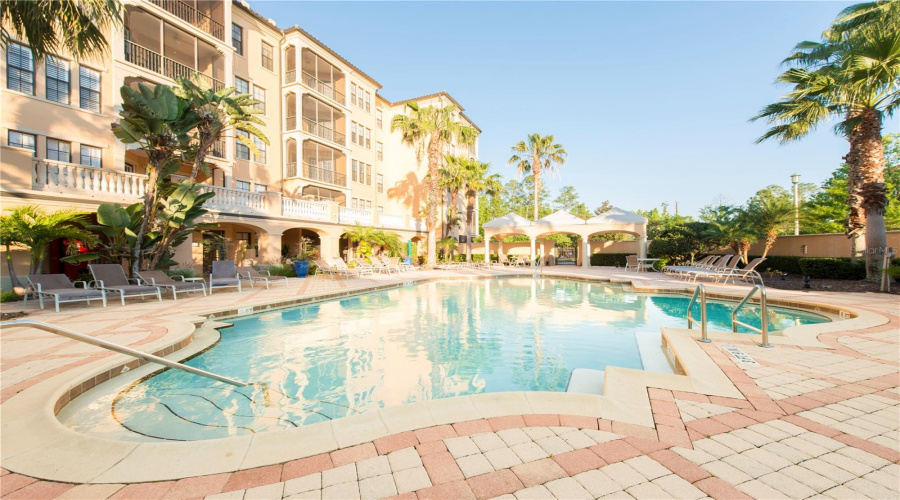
{"type": "Point", "coordinates": [163, 280]}
{"type": "Point", "coordinates": [252, 275]}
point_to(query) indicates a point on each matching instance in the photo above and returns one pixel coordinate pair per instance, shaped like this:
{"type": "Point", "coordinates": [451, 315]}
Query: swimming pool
{"type": "Point", "coordinates": [434, 340]}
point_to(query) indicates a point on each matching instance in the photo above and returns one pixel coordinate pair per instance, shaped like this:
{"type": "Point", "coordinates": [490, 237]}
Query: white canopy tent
{"type": "Point", "coordinates": [614, 220]}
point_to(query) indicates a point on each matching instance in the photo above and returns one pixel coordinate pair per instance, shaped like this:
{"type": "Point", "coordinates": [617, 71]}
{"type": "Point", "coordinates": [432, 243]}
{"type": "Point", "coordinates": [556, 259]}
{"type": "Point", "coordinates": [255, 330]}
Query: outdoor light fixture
{"type": "Point", "coordinates": [795, 180]}
{"type": "Point", "coordinates": [783, 275]}
{"type": "Point", "coordinates": [804, 249]}
{"type": "Point", "coordinates": [806, 280]}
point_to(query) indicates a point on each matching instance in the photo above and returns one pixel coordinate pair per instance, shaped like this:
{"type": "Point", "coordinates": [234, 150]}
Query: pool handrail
{"type": "Point", "coordinates": [65, 332]}
{"type": "Point", "coordinates": [701, 292]}
{"type": "Point", "coordinates": [763, 315]}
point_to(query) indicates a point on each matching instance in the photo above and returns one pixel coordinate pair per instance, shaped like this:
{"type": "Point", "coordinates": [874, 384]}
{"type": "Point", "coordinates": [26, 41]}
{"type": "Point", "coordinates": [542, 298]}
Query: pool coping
{"type": "Point", "coordinates": [37, 444]}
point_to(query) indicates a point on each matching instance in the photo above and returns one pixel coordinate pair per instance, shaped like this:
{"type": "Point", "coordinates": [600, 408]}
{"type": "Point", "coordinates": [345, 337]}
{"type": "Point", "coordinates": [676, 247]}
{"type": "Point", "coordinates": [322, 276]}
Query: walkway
{"type": "Point", "coordinates": [811, 422]}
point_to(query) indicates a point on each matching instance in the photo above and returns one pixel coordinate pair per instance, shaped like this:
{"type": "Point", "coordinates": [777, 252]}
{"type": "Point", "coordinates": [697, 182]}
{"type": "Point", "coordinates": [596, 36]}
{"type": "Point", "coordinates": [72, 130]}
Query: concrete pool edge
{"type": "Point", "coordinates": [37, 444]}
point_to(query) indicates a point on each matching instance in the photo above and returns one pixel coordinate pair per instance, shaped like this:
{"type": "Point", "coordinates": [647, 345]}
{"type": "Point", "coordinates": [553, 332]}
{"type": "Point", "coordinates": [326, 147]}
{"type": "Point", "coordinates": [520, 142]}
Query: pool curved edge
{"type": "Point", "coordinates": [36, 444]}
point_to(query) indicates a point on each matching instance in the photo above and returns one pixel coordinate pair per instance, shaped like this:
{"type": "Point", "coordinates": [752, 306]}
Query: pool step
{"type": "Point", "coordinates": [653, 356]}
{"type": "Point", "coordinates": [586, 381]}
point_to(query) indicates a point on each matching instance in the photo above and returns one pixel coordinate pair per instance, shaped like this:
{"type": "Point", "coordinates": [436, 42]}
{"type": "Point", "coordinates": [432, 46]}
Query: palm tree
{"type": "Point", "coordinates": [215, 111]}
{"type": "Point", "coordinates": [359, 234]}
{"type": "Point", "coordinates": [453, 177]}
{"type": "Point", "coordinates": [535, 156]}
{"type": "Point", "coordinates": [9, 237]}
{"type": "Point", "coordinates": [730, 228]}
{"type": "Point", "coordinates": [477, 181]}
{"type": "Point", "coordinates": [30, 226]}
{"type": "Point", "coordinates": [853, 80]}
{"type": "Point", "coordinates": [74, 27]}
{"type": "Point", "coordinates": [767, 216]}
{"type": "Point", "coordinates": [447, 246]}
{"type": "Point", "coordinates": [429, 129]}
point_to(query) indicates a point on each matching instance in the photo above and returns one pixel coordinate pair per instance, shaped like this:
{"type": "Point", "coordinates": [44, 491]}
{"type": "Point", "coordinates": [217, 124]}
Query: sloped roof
{"type": "Point", "coordinates": [617, 216]}
{"type": "Point", "coordinates": [559, 218]}
{"type": "Point", "coordinates": [508, 220]}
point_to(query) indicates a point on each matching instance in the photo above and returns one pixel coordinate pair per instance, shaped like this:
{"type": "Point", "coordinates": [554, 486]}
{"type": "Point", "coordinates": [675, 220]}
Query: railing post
{"type": "Point", "coordinates": [764, 317]}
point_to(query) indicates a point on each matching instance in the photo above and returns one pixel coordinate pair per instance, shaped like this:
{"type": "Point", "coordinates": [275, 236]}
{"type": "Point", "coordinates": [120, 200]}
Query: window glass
{"type": "Point", "coordinates": [380, 179]}
{"type": "Point", "coordinates": [266, 56]}
{"type": "Point", "coordinates": [241, 86]}
{"type": "Point", "coordinates": [355, 171]}
{"type": "Point", "coordinates": [368, 174]}
{"type": "Point", "coordinates": [260, 95]}
{"type": "Point", "coordinates": [20, 140]}
{"type": "Point", "coordinates": [89, 89]}
{"type": "Point", "coordinates": [237, 39]}
{"type": "Point", "coordinates": [368, 138]}
{"type": "Point", "coordinates": [19, 68]}
{"type": "Point", "coordinates": [91, 156]}
{"type": "Point", "coordinates": [379, 118]}
{"type": "Point", "coordinates": [57, 80]}
{"type": "Point", "coordinates": [241, 150]}
{"type": "Point", "coordinates": [261, 188]}
{"type": "Point", "coordinates": [353, 93]}
{"type": "Point", "coordinates": [261, 149]}
{"type": "Point", "coordinates": [242, 186]}
{"type": "Point", "coordinates": [379, 150]}
{"type": "Point", "coordinates": [59, 150]}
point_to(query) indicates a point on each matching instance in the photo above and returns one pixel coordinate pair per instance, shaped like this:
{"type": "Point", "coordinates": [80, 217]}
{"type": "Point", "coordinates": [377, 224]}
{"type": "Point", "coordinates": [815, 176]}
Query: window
{"type": "Point", "coordinates": [368, 204]}
{"type": "Point", "coordinates": [380, 179]}
{"type": "Point", "coordinates": [353, 132]}
{"type": "Point", "coordinates": [260, 95]}
{"type": "Point", "coordinates": [267, 56]}
{"type": "Point", "coordinates": [91, 156]}
{"type": "Point", "coordinates": [237, 39]}
{"type": "Point", "coordinates": [245, 236]}
{"type": "Point", "coordinates": [381, 209]}
{"type": "Point", "coordinates": [19, 69]}
{"type": "Point", "coordinates": [379, 150]}
{"type": "Point", "coordinates": [261, 188]}
{"type": "Point", "coordinates": [368, 98]}
{"type": "Point", "coordinates": [57, 80]}
{"type": "Point", "coordinates": [379, 118]}
{"type": "Point", "coordinates": [59, 150]}
{"type": "Point", "coordinates": [354, 204]}
{"type": "Point", "coordinates": [353, 93]}
{"type": "Point", "coordinates": [241, 150]}
{"type": "Point", "coordinates": [20, 140]}
{"type": "Point", "coordinates": [368, 174]}
{"type": "Point", "coordinates": [241, 186]}
{"type": "Point", "coordinates": [241, 86]}
{"type": "Point", "coordinates": [261, 148]}
{"type": "Point", "coordinates": [355, 171]}
{"type": "Point", "coordinates": [129, 168]}
{"type": "Point", "coordinates": [89, 89]}
{"type": "Point", "coordinates": [368, 138]}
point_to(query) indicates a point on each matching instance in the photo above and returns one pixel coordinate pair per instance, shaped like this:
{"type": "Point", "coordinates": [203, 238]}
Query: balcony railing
{"type": "Point", "coordinates": [390, 220]}
{"type": "Point", "coordinates": [95, 182]}
{"type": "Point", "coordinates": [354, 215]}
{"type": "Point", "coordinates": [156, 62]}
{"type": "Point", "coordinates": [290, 76]}
{"type": "Point", "coordinates": [219, 149]}
{"type": "Point", "coordinates": [324, 132]}
{"type": "Point", "coordinates": [193, 16]}
{"type": "Point", "coordinates": [323, 88]}
{"type": "Point", "coordinates": [290, 123]}
{"type": "Point", "coordinates": [304, 209]}
{"type": "Point", "coordinates": [324, 175]}
{"type": "Point", "coordinates": [235, 200]}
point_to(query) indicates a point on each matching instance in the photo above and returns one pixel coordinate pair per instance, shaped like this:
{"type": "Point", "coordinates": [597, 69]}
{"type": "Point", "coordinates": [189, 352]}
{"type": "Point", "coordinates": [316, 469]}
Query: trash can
{"type": "Point", "coordinates": [301, 268]}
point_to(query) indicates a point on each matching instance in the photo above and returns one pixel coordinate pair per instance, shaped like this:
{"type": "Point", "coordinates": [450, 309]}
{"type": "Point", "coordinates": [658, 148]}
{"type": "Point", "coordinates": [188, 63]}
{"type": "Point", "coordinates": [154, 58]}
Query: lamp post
{"type": "Point", "coordinates": [795, 180]}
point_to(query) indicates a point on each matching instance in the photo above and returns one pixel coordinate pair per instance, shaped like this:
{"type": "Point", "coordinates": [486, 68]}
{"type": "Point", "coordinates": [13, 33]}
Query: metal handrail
{"type": "Point", "coordinates": [47, 327]}
{"type": "Point", "coordinates": [763, 313]}
{"type": "Point", "coordinates": [701, 292]}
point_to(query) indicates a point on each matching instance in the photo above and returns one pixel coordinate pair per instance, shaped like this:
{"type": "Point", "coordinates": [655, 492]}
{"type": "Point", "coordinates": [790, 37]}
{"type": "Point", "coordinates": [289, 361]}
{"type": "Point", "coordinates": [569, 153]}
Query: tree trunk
{"type": "Point", "coordinates": [470, 212]}
{"type": "Point", "coordinates": [13, 279]}
{"type": "Point", "coordinates": [536, 177]}
{"type": "Point", "coordinates": [432, 200]}
{"type": "Point", "coordinates": [872, 190]}
{"type": "Point", "coordinates": [770, 242]}
{"type": "Point", "coordinates": [856, 222]}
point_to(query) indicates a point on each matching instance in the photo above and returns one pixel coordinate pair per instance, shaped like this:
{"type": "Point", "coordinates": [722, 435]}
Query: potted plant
{"type": "Point", "coordinates": [301, 262]}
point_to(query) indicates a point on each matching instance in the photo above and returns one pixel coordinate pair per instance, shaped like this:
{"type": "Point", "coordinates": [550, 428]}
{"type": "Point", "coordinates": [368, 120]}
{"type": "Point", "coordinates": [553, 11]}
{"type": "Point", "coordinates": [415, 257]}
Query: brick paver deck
{"type": "Point", "coordinates": [813, 422]}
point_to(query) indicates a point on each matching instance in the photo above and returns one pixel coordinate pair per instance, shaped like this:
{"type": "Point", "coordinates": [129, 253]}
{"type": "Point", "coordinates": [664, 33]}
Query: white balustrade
{"type": "Point", "coordinates": [235, 199]}
{"type": "Point", "coordinates": [391, 220]}
{"type": "Point", "coordinates": [304, 209]}
{"type": "Point", "coordinates": [354, 215]}
{"type": "Point", "coordinates": [95, 182]}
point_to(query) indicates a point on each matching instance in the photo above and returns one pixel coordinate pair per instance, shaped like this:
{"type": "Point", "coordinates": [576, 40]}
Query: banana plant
{"type": "Point", "coordinates": [117, 229]}
{"type": "Point", "coordinates": [177, 217]}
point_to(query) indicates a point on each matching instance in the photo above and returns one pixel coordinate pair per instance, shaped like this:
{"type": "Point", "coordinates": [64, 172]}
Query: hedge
{"type": "Point", "coordinates": [779, 263]}
{"type": "Point", "coordinates": [609, 259]}
{"type": "Point", "coordinates": [836, 269]}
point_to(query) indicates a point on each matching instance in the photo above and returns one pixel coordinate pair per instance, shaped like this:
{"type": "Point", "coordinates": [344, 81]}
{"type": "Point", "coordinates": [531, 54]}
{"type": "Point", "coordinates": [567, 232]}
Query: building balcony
{"type": "Point", "coordinates": [219, 149]}
{"type": "Point", "coordinates": [323, 132]}
{"type": "Point", "coordinates": [193, 17]}
{"type": "Point", "coordinates": [323, 88]}
{"type": "Point", "coordinates": [91, 182]}
{"type": "Point", "coordinates": [317, 174]}
{"type": "Point", "coordinates": [158, 63]}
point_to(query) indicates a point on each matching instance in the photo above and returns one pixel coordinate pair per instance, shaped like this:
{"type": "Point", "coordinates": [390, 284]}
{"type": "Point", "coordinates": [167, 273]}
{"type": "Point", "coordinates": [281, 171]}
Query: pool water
{"type": "Point", "coordinates": [434, 340]}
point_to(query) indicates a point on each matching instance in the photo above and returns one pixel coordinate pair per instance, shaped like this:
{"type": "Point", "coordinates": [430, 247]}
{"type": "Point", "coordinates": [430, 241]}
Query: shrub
{"type": "Point", "coordinates": [609, 259]}
{"type": "Point", "coordinates": [836, 269]}
{"type": "Point", "coordinates": [185, 272]}
{"type": "Point", "coordinates": [284, 270]}
{"type": "Point", "coordinates": [781, 263]}
{"type": "Point", "coordinates": [479, 257]}
{"type": "Point", "coordinates": [9, 296]}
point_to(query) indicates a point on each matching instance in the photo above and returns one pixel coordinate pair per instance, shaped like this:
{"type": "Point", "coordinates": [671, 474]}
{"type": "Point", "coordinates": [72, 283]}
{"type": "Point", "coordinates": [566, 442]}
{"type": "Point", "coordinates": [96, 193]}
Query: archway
{"type": "Point", "coordinates": [295, 239]}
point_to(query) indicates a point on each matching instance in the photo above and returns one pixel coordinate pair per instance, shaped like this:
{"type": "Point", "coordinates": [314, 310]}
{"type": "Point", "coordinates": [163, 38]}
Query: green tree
{"type": "Point", "coordinates": [359, 234]}
{"type": "Point", "coordinates": [32, 227]}
{"type": "Point", "coordinates": [453, 177]}
{"type": "Point", "coordinates": [429, 129]}
{"type": "Point", "coordinates": [567, 198]}
{"type": "Point", "coordinates": [729, 227]}
{"type": "Point", "coordinates": [850, 76]}
{"type": "Point", "coordinates": [447, 246]}
{"type": "Point", "coordinates": [74, 27]}
{"type": "Point", "coordinates": [535, 156]}
{"type": "Point", "coordinates": [606, 206]}
{"type": "Point", "coordinates": [769, 215]}
{"type": "Point", "coordinates": [478, 181]}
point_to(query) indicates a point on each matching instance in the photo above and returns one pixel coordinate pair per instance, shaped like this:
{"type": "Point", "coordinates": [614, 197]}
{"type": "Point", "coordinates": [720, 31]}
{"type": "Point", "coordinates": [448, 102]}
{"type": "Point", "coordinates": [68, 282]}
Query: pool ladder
{"type": "Point", "coordinates": [700, 292]}
{"type": "Point", "coordinates": [65, 332]}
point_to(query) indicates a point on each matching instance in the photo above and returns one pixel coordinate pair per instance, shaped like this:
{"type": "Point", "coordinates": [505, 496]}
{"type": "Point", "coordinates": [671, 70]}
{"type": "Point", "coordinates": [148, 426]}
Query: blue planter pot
{"type": "Point", "coordinates": [301, 268]}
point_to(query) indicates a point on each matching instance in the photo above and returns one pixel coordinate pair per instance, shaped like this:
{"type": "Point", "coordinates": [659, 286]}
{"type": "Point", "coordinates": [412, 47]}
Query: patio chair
{"type": "Point", "coordinates": [224, 275]}
{"type": "Point", "coordinates": [631, 263]}
{"type": "Point", "coordinates": [724, 268]}
{"type": "Point", "coordinates": [112, 279]}
{"type": "Point", "coordinates": [163, 280]}
{"type": "Point", "coordinates": [749, 271]}
{"type": "Point", "coordinates": [362, 263]}
{"type": "Point", "coordinates": [248, 273]}
{"type": "Point", "coordinates": [339, 264]}
{"type": "Point", "coordinates": [58, 287]}
{"type": "Point", "coordinates": [324, 268]}
{"type": "Point", "coordinates": [392, 264]}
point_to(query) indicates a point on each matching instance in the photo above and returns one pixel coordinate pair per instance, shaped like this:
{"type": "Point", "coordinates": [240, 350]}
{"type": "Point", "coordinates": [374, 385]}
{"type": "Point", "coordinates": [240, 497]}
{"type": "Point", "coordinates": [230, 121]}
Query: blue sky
{"type": "Point", "coordinates": [651, 99]}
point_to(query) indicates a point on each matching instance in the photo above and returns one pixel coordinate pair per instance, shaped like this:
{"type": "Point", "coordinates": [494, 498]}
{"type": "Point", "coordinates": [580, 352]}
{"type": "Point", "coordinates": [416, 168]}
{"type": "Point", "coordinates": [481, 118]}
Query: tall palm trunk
{"type": "Point", "coordinates": [856, 221]}
{"type": "Point", "coordinates": [872, 190]}
{"type": "Point", "coordinates": [156, 161]}
{"type": "Point", "coordinates": [771, 236]}
{"type": "Point", "coordinates": [470, 213]}
{"type": "Point", "coordinates": [14, 280]}
{"type": "Point", "coordinates": [431, 217]}
{"type": "Point", "coordinates": [536, 175]}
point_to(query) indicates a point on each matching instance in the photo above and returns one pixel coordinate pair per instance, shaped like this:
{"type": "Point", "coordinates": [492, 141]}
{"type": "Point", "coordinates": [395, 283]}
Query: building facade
{"type": "Point", "coordinates": [332, 161]}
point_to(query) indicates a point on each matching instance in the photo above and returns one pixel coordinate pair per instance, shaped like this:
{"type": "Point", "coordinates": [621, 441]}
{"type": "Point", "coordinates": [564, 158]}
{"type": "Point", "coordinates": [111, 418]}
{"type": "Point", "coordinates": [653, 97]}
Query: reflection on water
{"type": "Point", "coordinates": [435, 340]}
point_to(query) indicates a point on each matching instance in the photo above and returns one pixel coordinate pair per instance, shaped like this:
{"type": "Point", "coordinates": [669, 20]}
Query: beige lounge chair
{"type": "Point", "coordinates": [163, 280]}
{"type": "Point", "coordinates": [224, 275]}
{"type": "Point", "coordinates": [61, 290]}
{"type": "Point", "coordinates": [252, 275]}
{"type": "Point", "coordinates": [112, 279]}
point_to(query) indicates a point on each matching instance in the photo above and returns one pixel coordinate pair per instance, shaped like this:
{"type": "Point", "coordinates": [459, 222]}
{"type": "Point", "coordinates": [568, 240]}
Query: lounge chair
{"type": "Point", "coordinates": [362, 263]}
{"type": "Point", "coordinates": [631, 263]}
{"type": "Point", "coordinates": [248, 273]}
{"type": "Point", "coordinates": [112, 279]}
{"type": "Point", "coordinates": [392, 264]}
{"type": "Point", "coordinates": [224, 275]}
{"type": "Point", "coordinates": [748, 272]}
{"type": "Point", "coordinates": [61, 290]}
{"type": "Point", "coordinates": [324, 268]}
{"type": "Point", "coordinates": [339, 264]}
{"type": "Point", "coordinates": [163, 280]}
{"type": "Point", "coordinates": [724, 268]}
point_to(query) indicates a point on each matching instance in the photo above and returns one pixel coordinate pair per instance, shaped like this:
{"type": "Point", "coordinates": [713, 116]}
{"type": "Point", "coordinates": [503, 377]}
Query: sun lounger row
{"type": "Point", "coordinates": [717, 267]}
{"type": "Point", "coordinates": [362, 266]}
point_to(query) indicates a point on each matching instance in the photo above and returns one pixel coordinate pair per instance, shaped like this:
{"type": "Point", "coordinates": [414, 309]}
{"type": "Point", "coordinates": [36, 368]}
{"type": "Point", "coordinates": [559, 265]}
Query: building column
{"type": "Point", "coordinates": [642, 247]}
{"type": "Point", "coordinates": [269, 248]}
{"type": "Point", "coordinates": [586, 258]}
{"type": "Point", "coordinates": [500, 249]}
{"type": "Point", "coordinates": [487, 249]}
{"type": "Point", "coordinates": [543, 252]}
{"type": "Point", "coordinates": [533, 240]}
{"type": "Point", "coordinates": [330, 246]}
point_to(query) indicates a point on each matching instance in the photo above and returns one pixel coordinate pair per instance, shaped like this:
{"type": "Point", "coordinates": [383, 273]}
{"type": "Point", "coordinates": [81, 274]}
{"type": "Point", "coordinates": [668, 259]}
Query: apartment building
{"type": "Point", "coordinates": [332, 161]}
